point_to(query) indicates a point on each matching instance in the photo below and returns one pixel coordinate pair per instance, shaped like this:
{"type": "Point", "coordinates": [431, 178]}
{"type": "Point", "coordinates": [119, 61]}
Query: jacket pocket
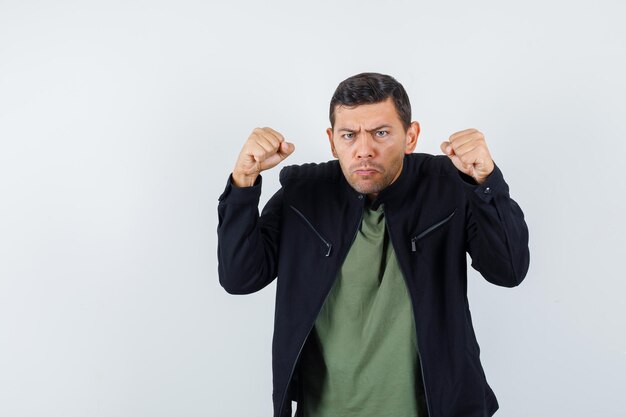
{"type": "Point", "coordinates": [318, 234]}
{"type": "Point", "coordinates": [429, 230]}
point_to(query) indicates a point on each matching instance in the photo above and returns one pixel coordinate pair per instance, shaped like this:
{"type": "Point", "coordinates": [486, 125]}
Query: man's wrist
{"type": "Point", "coordinates": [242, 180]}
{"type": "Point", "coordinates": [482, 180]}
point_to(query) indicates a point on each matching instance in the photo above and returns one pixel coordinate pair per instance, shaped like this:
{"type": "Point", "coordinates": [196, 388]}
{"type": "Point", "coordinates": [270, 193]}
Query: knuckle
{"type": "Point", "coordinates": [258, 149]}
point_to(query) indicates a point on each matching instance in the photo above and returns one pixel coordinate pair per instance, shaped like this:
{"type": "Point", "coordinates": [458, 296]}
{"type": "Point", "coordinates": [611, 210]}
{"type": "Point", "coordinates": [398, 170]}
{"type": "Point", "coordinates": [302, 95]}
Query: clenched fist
{"type": "Point", "coordinates": [468, 151]}
{"type": "Point", "coordinates": [264, 149]}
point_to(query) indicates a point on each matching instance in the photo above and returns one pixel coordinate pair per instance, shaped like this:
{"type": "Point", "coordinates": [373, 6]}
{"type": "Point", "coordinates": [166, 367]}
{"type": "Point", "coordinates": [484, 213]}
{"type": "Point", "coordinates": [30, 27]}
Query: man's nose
{"type": "Point", "coordinates": [365, 146]}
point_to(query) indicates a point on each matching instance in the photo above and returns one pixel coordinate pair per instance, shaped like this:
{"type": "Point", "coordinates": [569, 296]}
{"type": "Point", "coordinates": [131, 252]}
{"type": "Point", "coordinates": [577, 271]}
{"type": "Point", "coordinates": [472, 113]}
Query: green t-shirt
{"type": "Point", "coordinates": [361, 357]}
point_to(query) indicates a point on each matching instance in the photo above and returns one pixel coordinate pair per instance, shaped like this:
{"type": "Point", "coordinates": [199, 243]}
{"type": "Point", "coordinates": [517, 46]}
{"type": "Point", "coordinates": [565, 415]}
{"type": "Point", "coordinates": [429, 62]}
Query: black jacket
{"type": "Point", "coordinates": [434, 215]}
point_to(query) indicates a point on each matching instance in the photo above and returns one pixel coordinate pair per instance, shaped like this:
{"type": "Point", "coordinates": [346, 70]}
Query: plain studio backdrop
{"type": "Point", "coordinates": [121, 120]}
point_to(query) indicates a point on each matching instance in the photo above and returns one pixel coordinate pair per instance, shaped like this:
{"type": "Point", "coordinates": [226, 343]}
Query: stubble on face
{"type": "Point", "coordinates": [371, 162]}
{"type": "Point", "coordinates": [370, 183]}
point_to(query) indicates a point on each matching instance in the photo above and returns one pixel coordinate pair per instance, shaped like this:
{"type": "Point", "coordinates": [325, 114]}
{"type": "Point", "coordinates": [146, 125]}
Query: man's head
{"type": "Point", "coordinates": [371, 130]}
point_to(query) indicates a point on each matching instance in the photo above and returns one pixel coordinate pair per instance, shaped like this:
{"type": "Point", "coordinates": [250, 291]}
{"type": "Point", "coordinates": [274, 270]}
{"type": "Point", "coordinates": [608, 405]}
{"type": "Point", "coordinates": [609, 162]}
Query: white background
{"type": "Point", "coordinates": [120, 121]}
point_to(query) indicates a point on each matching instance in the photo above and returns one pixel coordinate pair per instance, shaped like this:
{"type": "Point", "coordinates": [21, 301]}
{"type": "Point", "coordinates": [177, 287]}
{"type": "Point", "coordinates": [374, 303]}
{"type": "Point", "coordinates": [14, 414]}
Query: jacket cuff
{"type": "Point", "coordinates": [241, 195]}
{"type": "Point", "coordinates": [494, 184]}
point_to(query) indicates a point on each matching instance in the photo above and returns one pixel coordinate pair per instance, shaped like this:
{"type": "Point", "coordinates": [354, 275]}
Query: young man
{"type": "Point", "coordinates": [372, 317]}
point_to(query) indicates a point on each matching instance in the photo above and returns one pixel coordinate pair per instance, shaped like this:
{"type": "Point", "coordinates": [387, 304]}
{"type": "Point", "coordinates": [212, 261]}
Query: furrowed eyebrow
{"type": "Point", "coordinates": [345, 129]}
{"type": "Point", "coordinates": [379, 128]}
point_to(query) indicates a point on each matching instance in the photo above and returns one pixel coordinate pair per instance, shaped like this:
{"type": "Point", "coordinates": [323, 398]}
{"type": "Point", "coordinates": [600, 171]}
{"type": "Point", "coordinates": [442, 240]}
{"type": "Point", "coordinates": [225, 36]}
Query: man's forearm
{"type": "Point", "coordinates": [497, 233]}
{"type": "Point", "coordinates": [247, 243]}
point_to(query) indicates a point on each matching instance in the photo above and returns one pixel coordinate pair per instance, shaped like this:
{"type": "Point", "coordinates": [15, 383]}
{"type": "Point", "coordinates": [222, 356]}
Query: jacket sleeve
{"type": "Point", "coordinates": [247, 244]}
{"type": "Point", "coordinates": [497, 235]}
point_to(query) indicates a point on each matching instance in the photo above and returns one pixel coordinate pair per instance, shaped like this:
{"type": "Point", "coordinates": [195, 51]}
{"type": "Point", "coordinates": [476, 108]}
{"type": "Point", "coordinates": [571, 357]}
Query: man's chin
{"type": "Point", "coordinates": [365, 186]}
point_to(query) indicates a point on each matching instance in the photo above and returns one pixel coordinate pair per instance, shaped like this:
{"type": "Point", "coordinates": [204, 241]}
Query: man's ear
{"type": "Point", "coordinates": [329, 132]}
{"type": "Point", "coordinates": [411, 137]}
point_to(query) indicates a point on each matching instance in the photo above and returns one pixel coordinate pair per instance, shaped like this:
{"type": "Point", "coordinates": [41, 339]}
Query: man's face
{"type": "Point", "coordinates": [370, 142]}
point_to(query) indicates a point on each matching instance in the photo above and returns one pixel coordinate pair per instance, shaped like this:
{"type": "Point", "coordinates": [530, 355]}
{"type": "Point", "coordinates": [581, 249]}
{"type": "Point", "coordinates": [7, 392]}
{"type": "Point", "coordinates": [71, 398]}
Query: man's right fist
{"type": "Point", "coordinates": [264, 149]}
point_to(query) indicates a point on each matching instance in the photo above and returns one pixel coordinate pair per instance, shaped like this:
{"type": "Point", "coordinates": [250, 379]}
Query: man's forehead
{"type": "Point", "coordinates": [367, 116]}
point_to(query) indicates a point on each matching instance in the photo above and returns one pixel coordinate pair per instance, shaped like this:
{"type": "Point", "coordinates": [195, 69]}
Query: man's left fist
{"type": "Point", "coordinates": [468, 151]}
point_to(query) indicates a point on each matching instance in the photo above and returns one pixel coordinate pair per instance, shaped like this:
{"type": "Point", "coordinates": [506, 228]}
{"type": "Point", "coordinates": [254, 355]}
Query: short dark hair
{"type": "Point", "coordinates": [370, 88]}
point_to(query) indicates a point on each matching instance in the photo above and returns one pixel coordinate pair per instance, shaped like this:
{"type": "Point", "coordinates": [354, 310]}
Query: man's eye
{"type": "Point", "coordinates": [348, 135]}
{"type": "Point", "coordinates": [382, 133]}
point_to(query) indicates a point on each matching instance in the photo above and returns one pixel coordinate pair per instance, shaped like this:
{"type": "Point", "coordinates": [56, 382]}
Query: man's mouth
{"type": "Point", "coordinates": [365, 170]}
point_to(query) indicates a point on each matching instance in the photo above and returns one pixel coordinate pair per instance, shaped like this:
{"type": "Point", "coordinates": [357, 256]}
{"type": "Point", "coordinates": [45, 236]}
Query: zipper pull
{"type": "Point", "coordinates": [329, 246]}
{"type": "Point", "coordinates": [413, 245]}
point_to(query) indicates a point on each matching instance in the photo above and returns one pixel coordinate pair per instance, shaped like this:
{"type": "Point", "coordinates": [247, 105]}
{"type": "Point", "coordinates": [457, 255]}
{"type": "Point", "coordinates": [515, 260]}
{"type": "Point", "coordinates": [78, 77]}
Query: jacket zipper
{"type": "Point", "coordinates": [293, 368]}
{"type": "Point", "coordinates": [427, 231]}
{"type": "Point", "coordinates": [327, 243]}
{"type": "Point", "coordinates": [419, 355]}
